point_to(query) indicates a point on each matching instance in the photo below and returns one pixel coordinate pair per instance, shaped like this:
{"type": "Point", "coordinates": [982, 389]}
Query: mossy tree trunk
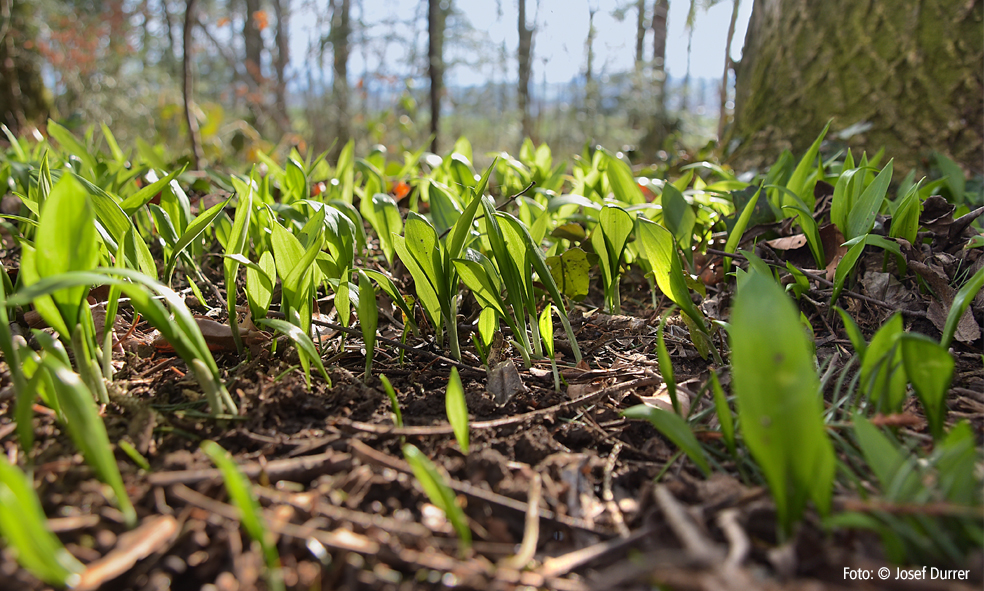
{"type": "Point", "coordinates": [913, 70]}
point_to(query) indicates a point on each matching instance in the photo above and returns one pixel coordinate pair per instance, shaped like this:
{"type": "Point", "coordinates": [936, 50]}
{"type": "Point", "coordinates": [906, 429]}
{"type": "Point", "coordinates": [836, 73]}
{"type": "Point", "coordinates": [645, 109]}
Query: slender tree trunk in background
{"type": "Point", "coordinates": [723, 119]}
{"type": "Point", "coordinates": [912, 70]}
{"type": "Point", "coordinates": [590, 98]}
{"type": "Point", "coordinates": [339, 37]}
{"type": "Point", "coordinates": [435, 66]}
{"type": "Point", "coordinates": [525, 68]}
{"type": "Point", "coordinates": [281, 9]}
{"type": "Point", "coordinates": [170, 58]}
{"type": "Point", "coordinates": [253, 41]}
{"type": "Point", "coordinates": [635, 115]}
{"type": "Point", "coordinates": [187, 85]}
{"type": "Point", "coordinates": [661, 9]}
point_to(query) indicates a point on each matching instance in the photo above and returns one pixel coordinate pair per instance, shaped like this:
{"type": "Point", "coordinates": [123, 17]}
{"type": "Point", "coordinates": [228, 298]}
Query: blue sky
{"type": "Point", "coordinates": [562, 27]}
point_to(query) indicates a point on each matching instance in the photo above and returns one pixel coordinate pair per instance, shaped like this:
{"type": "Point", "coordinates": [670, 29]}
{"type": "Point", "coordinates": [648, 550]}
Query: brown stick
{"type": "Point", "coordinates": [187, 86]}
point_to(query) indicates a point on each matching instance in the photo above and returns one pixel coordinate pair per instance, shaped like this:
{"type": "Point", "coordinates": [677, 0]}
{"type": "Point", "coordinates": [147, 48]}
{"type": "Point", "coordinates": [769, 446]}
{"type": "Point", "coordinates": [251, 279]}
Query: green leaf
{"type": "Point", "coordinates": [676, 429]}
{"type": "Point", "coordinates": [44, 181]}
{"type": "Point", "coordinates": [457, 409]}
{"type": "Point", "coordinates": [861, 217]}
{"type": "Point", "coordinates": [800, 183]}
{"type": "Point", "coordinates": [88, 433]}
{"type": "Point", "coordinates": [546, 330]}
{"type": "Point", "coordinates": [476, 278]}
{"type": "Point", "coordinates": [114, 148]}
{"type": "Point", "coordinates": [142, 197]}
{"type": "Point", "coordinates": [66, 241]}
{"type": "Point", "coordinates": [397, 415]}
{"type": "Point", "coordinates": [725, 418]}
{"type": "Point", "coordinates": [435, 486]}
{"type": "Point", "coordinates": [882, 373]}
{"type": "Point", "coordinates": [463, 226]}
{"type": "Point", "coordinates": [957, 460]}
{"type": "Point", "coordinates": [678, 215]}
{"type": "Point", "coordinates": [905, 221]}
{"type": "Point", "coordinates": [191, 233]}
{"type": "Point", "coordinates": [845, 266]}
{"type": "Point", "coordinates": [389, 288]}
{"type": "Point", "coordinates": [665, 365]}
{"type": "Point", "coordinates": [368, 318]}
{"type": "Point", "coordinates": [426, 293]}
{"type": "Point", "coordinates": [178, 327]}
{"type": "Point", "coordinates": [244, 499]}
{"type": "Point", "coordinates": [734, 238]}
{"type": "Point", "coordinates": [306, 351]}
{"type": "Point", "coordinates": [608, 239]}
{"type": "Point", "coordinates": [24, 529]}
{"type": "Point", "coordinates": [894, 467]}
{"type": "Point", "coordinates": [846, 191]}
{"type": "Point", "coordinates": [963, 298]}
{"type": "Point", "coordinates": [623, 183]}
{"type": "Point", "coordinates": [422, 243]}
{"type": "Point", "coordinates": [779, 402]}
{"type": "Point", "coordinates": [261, 278]}
{"type": "Point", "coordinates": [386, 221]}
{"type": "Point", "coordinates": [295, 181]}
{"type": "Point", "coordinates": [70, 144]}
{"type": "Point", "coordinates": [659, 247]}
{"type": "Point", "coordinates": [954, 175]}
{"type": "Point", "coordinates": [853, 333]}
{"type": "Point", "coordinates": [570, 271]}
{"type": "Point", "coordinates": [929, 367]}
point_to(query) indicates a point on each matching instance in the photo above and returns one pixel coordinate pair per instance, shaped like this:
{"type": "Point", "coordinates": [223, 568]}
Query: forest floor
{"type": "Point", "coordinates": [612, 503]}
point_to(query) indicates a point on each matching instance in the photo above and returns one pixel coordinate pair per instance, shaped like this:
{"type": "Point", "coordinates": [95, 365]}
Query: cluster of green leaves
{"type": "Point", "coordinates": [92, 217]}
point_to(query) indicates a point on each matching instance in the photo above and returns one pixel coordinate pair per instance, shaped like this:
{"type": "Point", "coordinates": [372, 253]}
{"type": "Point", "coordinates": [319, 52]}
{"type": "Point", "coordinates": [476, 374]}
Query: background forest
{"type": "Point", "coordinates": [311, 244]}
{"type": "Point", "coordinates": [309, 72]}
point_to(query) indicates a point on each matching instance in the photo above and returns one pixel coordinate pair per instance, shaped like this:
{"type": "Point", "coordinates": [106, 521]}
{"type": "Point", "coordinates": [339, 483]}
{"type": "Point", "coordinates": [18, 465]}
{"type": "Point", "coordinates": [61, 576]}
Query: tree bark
{"type": "Point", "coordinates": [525, 68]}
{"type": "Point", "coordinates": [723, 119]}
{"type": "Point", "coordinates": [661, 10]}
{"type": "Point", "coordinates": [912, 70]}
{"type": "Point", "coordinates": [590, 86]}
{"type": "Point", "coordinates": [281, 9]}
{"type": "Point", "coordinates": [187, 86]}
{"type": "Point", "coordinates": [640, 33]}
{"type": "Point", "coordinates": [435, 66]}
{"type": "Point", "coordinates": [253, 41]}
{"type": "Point", "coordinates": [339, 37]}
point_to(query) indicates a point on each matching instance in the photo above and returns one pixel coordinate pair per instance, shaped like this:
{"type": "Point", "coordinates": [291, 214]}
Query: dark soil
{"type": "Point", "coordinates": [615, 505]}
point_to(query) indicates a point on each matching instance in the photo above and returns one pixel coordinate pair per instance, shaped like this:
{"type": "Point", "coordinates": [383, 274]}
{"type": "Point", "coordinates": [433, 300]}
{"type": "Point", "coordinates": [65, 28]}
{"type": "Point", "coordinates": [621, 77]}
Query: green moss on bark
{"type": "Point", "coordinates": [914, 70]}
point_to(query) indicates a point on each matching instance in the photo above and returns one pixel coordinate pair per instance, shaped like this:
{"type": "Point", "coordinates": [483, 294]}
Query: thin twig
{"type": "Point", "coordinates": [418, 352]}
{"type": "Point", "coordinates": [497, 207]}
{"type": "Point", "coordinates": [372, 456]}
{"type": "Point", "coordinates": [423, 431]}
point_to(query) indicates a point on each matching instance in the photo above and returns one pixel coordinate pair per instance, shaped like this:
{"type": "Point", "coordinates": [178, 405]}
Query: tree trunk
{"type": "Point", "coordinates": [253, 41]}
{"type": "Point", "coordinates": [339, 37]}
{"type": "Point", "coordinates": [912, 70]}
{"type": "Point", "coordinates": [435, 66]}
{"type": "Point", "coordinates": [188, 87]}
{"type": "Point", "coordinates": [525, 68]}
{"type": "Point", "coordinates": [661, 9]}
{"type": "Point", "coordinates": [590, 86]}
{"type": "Point", "coordinates": [281, 9]}
{"type": "Point", "coordinates": [723, 119]}
{"type": "Point", "coordinates": [640, 33]}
